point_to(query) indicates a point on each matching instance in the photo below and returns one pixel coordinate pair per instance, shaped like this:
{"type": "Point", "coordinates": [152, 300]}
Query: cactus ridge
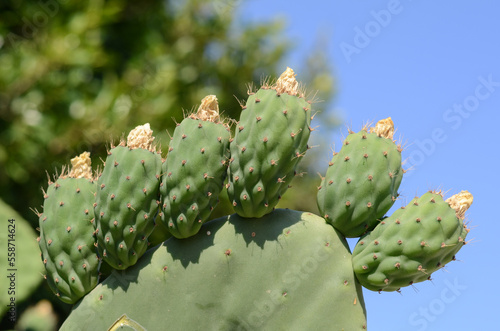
{"type": "Point", "coordinates": [361, 183]}
{"type": "Point", "coordinates": [411, 244]}
{"type": "Point", "coordinates": [67, 237]}
{"type": "Point", "coordinates": [127, 204]}
{"type": "Point", "coordinates": [193, 174]}
{"type": "Point", "coordinates": [271, 138]}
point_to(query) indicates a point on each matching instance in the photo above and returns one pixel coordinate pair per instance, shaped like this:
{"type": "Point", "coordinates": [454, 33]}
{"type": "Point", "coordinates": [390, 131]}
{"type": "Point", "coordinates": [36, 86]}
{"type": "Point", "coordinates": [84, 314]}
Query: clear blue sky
{"type": "Point", "coordinates": [434, 67]}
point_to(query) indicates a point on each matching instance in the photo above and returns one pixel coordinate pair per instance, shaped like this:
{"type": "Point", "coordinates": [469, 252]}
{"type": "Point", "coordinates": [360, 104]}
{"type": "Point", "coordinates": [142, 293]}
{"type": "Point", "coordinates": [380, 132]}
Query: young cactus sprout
{"type": "Point", "coordinates": [362, 180]}
{"type": "Point", "coordinates": [416, 240]}
{"type": "Point", "coordinates": [66, 232]}
{"type": "Point", "coordinates": [195, 169]}
{"type": "Point", "coordinates": [270, 140]}
{"type": "Point", "coordinates": [127, 198]}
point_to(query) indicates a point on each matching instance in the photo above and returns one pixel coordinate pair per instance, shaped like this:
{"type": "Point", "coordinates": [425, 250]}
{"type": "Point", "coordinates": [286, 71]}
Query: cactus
{"type": "Point", "coordinates": [127, 199]}
{"type": "Point", "coordinates": [67, 240]}
{"type": "Point", "coordinates": [195, 170]}
{"type": "Point", "coordinates": [362, 180]}
{"type": "Point", "coordinates": [271, 138]}
{"type": "Point", "coordinates": [260, 268]}
{"type": "Point", "coordinates": [407, 247]}
{"type": "Point", "coordinates": [286, 270]}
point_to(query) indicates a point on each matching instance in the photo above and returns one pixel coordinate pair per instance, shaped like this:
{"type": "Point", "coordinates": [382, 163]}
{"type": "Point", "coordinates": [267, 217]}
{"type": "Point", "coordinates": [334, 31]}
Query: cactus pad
{"type": "Point", "coordinates": [67, 240]}
{"type": "Point", "coordinates": [270, 139]}
{"type": "Point", "coordinates": [287, 270]}
{"type": "Point", "coordinates": [127, 199]}
{"type": "Point", "coordinates": [362, 180]}
{"type": "Point", "coordinates": [415, 241]}
{"type": "Point", "coordinates": [195, 170]}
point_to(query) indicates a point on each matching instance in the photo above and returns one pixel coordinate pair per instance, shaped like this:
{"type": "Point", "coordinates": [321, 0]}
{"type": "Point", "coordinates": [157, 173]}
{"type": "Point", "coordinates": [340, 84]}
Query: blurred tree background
{"type": "Point", "coordinates": [76, 75]}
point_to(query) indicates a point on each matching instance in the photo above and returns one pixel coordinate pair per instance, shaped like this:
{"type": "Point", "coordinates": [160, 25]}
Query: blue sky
{"type": "Point", "coordinates": [434, 68]}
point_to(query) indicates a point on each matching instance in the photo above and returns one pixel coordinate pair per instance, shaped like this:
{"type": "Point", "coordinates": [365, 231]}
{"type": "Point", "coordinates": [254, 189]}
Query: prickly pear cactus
{"type": "Point", "coordinates": [271, 138]}
{"type": "Point", "coordinates": [260, 268]}
{"type": "Point", "coordinates": [127, 200]}
{"type": "Point", "coordinates": [362, 180]}
{"type": "Point", "coordinates": [67, 240]}
{"type": "Point", "coordinates": [407, 247]}
{"type": "Point", "coordinates": [195, 170]}
{"type": "Point", "coordinates": [288, 270]}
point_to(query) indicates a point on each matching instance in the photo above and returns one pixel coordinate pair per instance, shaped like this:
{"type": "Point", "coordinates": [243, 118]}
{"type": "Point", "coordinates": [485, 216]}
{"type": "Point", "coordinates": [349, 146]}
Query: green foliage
{"type": "Point", "coordinates": [26, 258]}
{"type": "Point", "coordinates": [40, 317]}
{"type": "Point", "coordinates": [285, 271]}
{"type": "Point", "coordinates": [75, 74]}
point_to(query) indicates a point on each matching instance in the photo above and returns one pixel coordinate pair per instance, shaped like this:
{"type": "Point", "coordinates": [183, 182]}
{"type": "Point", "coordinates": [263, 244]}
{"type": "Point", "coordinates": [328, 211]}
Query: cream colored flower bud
{"type": "Point", "coordinates": [287, 83]}
{"type": "Point", "coordinates": [384, 128]}
{"type": "Point", "coordinates": [209, 109]}
{"type": "Point", "coordinates": [460, 202]}
{"type": "Point", "coordinates": [141, 137]}
{"type": "Point", "coordinates": [81, 166]}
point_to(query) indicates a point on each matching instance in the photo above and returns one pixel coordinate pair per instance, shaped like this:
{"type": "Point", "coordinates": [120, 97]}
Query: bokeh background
{"type": "Point", "coordinates": [76, 75]}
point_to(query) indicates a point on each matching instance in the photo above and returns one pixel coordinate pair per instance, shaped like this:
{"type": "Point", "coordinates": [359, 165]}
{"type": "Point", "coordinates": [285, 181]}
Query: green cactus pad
{"type": "Point", "coordinates": [67, 238]}
{"type": "Point", "coordinates": [194, 174]}
{"type": "Point", "coordinates": [127, 203]}
{"type": "Point", "coordinates": [361, 183]}
{"type": "Point", "coordinates": [286, 271]}
{"type": "Point", "coordinates": [270, 139]}
{"type": "Point", "coordinates": [409, 246]}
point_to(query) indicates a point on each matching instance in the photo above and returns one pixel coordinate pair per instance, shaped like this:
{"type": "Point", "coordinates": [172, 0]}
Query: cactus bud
{"type": "Point", "coordinates": [287, 83]}
{"type": "Point", "coordinates": [209, 109]}
{"type": "Point", "coordinates": [141, 137]}
{"type": "Point", "coordinates": [460, 202]}
{"type": "Point", "coordinates": [384, 128]}
{"type": "Point", "coordinates": [81, 166]}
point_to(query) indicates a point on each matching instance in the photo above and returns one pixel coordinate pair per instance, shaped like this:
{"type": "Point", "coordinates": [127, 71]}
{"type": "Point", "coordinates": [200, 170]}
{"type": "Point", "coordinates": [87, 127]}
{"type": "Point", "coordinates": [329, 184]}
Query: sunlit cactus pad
{"type": "Point", "coordinates": [279, 272]}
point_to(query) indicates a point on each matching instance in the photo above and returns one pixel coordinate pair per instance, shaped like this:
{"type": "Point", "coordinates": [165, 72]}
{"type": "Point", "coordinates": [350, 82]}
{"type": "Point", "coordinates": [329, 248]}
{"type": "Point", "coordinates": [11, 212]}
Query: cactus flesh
{"type": "Point", "coordinates": [270, 140]}
{"type": "Point", "coordinates": [288, 270]}
{"type": "Point", "coordinates": [362, 180]}
{"type": "Point", "coordinates": [127, 199]}
{"type": "Point", "coordinates": [195, 170]}
{"type": "Point", "coordinates": [261, 268]}
{"type": "Point", "coordinates": [67, 240]}
{"type": "Point", "coordinates": [412, 243]}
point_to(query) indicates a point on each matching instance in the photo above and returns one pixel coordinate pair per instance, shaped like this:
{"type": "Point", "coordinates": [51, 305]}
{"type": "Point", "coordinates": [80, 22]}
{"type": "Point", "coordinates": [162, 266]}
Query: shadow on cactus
{"type": "Point", "coordinates": [260, 268]}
